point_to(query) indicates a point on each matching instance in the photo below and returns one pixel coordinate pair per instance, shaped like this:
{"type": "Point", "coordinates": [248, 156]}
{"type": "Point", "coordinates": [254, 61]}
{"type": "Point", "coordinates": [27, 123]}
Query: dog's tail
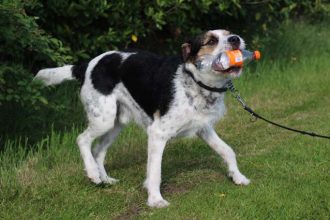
{"type": "Point", "coordinates": [54, 76]}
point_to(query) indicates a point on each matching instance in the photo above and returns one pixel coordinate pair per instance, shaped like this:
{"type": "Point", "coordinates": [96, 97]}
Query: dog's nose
{"type": "Point", "coordinates": [234, 41]}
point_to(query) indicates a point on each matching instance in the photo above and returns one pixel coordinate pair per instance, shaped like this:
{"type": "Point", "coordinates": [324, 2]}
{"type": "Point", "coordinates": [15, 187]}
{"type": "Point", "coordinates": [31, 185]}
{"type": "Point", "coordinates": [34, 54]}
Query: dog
{"type": "Point", "coordinates": [162, 94]}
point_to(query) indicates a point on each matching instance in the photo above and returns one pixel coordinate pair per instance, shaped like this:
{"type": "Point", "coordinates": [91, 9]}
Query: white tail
{"type": "Point", "coordinates": [53, 76]}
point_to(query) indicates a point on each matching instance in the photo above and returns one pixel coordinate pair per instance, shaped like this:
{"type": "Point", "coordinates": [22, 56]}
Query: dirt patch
{"type": "Point", "coordinates": [130, 213]}
{"type": "Point", "coordinates": [186, 181]}
{"type": "Point", "coordinates": [176, 189]}
{"type": "Point", "coordinates": [183, 182]}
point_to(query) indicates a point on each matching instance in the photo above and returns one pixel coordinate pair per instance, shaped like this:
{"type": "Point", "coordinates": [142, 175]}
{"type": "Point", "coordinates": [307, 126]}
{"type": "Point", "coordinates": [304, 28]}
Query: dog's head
{"type": "Point", "coordinates": [211, 43]}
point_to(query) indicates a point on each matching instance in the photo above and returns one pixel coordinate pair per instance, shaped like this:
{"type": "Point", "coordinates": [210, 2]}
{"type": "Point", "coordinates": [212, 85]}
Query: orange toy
{"type": "Point", "coordinates": [240, 57]}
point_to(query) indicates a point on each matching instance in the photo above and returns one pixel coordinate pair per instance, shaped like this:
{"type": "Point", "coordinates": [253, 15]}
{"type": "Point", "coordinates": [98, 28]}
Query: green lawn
{"type": "Point", "coordinates": [289, 172]}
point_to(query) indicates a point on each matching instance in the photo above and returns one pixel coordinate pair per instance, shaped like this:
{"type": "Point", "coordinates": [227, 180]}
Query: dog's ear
{"type": "Point", "coordinates": [191, 47]}
{"type": "Point", "coordinates": [186, 50]}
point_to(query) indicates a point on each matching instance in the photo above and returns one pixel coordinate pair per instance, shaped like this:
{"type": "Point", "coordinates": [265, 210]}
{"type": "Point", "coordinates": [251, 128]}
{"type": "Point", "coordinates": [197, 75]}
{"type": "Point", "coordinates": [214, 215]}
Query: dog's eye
{"type": "Point", "coordinates": [212, 41]}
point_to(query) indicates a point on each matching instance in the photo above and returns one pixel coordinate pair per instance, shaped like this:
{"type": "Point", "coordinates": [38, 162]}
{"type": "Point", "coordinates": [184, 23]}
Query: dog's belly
{"type": "Point", "coordinates": [129, 110]}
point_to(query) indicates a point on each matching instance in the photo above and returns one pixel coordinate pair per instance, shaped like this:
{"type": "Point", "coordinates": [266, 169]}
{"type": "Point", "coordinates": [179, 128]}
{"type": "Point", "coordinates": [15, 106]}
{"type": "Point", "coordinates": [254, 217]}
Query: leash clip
{"type": "Point", "coordinates": [236, 94]}
{"type": "Point", "coordinates": [253, 118]}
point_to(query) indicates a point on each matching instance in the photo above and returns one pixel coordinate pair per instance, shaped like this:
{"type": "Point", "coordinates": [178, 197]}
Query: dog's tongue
{"type": "Point", "coordinates": [217, 65]}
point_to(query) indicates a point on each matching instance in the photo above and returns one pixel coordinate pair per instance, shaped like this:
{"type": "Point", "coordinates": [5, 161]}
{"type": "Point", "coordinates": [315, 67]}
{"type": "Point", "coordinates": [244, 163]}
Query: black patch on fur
{"type": "Point", "coordinates": [190, 98]}
{"type": "Point", "coordinates": [210, 100]}
{"type": "Point", "coordinates": [79, 72]}
{"type": "Point", "coordinates": [149, 79]}
{"type": "Point", "coordinates": [105, 74]}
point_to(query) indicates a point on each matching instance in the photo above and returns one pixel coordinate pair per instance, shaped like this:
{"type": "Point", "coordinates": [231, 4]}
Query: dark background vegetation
{"type": "Point", "coordinates": [35, 34]}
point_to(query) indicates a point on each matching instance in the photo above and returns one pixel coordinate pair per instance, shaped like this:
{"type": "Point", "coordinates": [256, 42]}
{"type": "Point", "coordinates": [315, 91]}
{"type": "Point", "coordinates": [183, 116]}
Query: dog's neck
{"type": "Point", "coordinates": [201, 82]}
{"type": "Point", "coordinates": [207, 77]}
{"type": "Point", "coordinates": [192, 89]}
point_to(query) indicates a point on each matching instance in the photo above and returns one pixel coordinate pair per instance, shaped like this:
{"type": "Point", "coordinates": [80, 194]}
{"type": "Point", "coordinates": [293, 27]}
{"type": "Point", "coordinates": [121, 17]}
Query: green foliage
{"type": "Point", "coordinates": [24, 46]}
{"type": "Point", "coordinates": [91, 27]}
{"type": "Point", "coordinates": [16, 86]}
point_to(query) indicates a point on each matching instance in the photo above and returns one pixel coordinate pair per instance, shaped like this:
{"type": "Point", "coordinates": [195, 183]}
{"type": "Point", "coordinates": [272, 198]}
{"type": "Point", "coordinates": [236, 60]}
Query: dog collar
{"type": "Point", "coordinates": [212, 89]}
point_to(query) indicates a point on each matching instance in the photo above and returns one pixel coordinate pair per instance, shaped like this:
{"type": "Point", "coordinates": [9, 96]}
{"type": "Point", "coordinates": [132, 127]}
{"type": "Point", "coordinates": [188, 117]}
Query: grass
{"type": "Point", "coordinates": [289, 172]}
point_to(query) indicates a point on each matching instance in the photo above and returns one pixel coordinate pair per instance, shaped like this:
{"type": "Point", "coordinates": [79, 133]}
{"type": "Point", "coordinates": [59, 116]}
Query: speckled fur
{"type": "Point", "coordinates": [192, 111]}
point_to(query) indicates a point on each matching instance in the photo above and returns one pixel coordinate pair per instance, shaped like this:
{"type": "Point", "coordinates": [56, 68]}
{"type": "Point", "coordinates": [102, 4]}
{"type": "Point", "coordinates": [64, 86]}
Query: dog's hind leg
{"type": "Point", "coordinates": [100, 150]}
{"type": "Point", "coordinates": [101, 113]}
{"type": "Point", "coordinates": [211, 138]}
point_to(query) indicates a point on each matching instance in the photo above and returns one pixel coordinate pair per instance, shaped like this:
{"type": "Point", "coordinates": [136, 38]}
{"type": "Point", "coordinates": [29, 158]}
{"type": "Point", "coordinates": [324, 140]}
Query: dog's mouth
{"type": "Point", "coordinates": [218, 68]}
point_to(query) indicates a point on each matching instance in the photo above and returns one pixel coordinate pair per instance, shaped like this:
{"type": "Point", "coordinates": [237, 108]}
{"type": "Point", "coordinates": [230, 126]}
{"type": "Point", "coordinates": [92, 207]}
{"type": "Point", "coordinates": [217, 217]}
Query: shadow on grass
{"type": "Point", "coordinates": [186, 163]}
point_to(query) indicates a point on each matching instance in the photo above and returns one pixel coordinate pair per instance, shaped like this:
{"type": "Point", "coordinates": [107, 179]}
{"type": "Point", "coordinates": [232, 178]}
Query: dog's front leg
{"type": "Point", "coordinates": [156, 145]}
{"type": "Point", "coordinates": [212, 139]}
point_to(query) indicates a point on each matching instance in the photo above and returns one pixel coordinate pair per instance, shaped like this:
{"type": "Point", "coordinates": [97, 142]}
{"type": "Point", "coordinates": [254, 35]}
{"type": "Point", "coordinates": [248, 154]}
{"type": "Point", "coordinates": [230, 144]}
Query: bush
{"type": "Point", "coordinates": [92, 27]}
{"type": "Point", "coordinates": [24, 47]}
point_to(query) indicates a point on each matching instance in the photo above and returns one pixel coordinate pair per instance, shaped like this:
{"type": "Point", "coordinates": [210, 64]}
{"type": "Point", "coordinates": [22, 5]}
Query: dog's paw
{"type": "Point", "coordinates": [109, 180]}
{"type": "Point", "coordinates": [240, 179]}
{"type": "Point", "coordinates": [94, 175]}
{"type": "Point", "coordinates": [157, 203]}
{"type": "Point", "coordinates": [95, 179]}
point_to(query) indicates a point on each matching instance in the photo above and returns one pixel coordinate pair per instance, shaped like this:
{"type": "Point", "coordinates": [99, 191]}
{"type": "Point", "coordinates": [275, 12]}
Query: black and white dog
{"type": "Point", "coordinates": [158, 94]}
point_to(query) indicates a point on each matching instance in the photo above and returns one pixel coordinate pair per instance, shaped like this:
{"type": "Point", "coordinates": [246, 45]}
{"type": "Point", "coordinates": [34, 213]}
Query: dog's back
{"type": "Point", "coordinates": [147, 76]}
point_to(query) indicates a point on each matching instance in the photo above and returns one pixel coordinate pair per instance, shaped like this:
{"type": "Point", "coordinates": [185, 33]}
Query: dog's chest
{"type": "Point", "coordinates": [202, 103]}
{"type": "Point", "coordinates": [192, 111]}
